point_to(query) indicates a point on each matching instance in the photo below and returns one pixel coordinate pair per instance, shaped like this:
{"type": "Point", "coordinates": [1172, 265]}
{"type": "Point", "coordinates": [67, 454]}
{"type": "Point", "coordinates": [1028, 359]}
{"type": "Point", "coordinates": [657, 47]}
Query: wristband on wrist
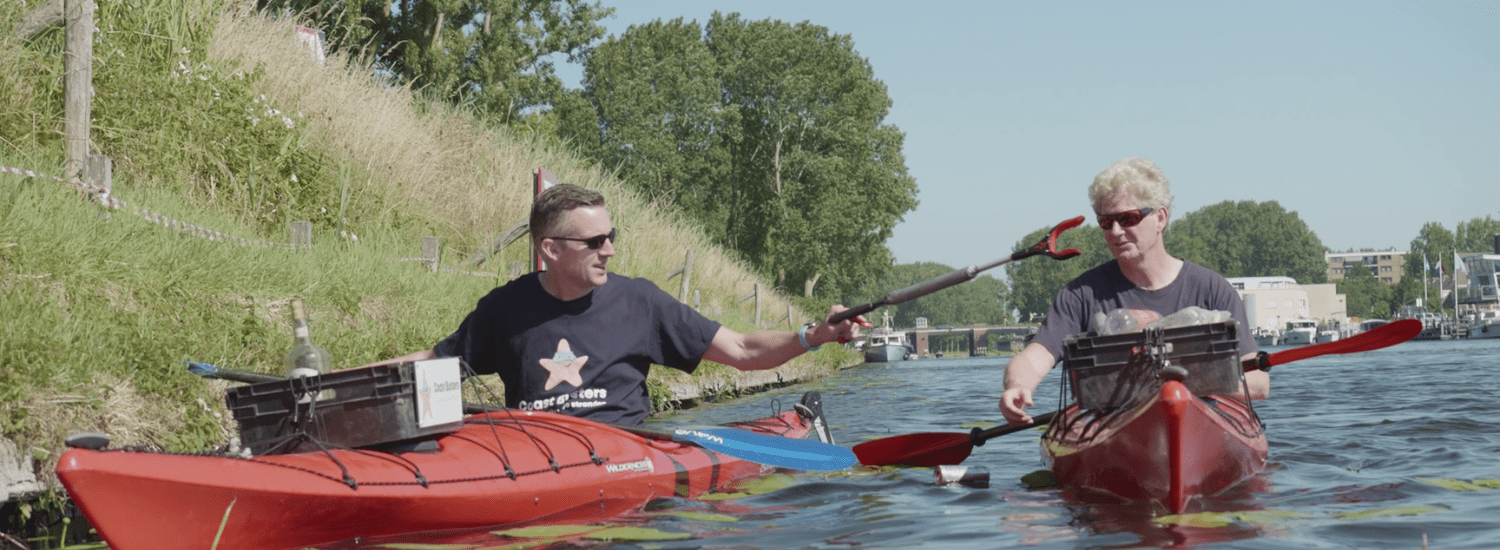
{"type": "Point", "coordinates": [802, 337]}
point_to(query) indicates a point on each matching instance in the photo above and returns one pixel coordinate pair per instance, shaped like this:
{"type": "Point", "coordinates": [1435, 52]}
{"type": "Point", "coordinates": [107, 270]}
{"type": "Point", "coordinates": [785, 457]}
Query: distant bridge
{"type": "Point", "coordinates": [979, 336]}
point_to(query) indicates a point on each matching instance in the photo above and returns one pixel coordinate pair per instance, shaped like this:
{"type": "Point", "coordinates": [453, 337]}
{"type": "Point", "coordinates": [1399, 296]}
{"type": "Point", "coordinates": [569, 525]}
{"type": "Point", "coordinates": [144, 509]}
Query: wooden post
{"type": "Point", "coordinates": [77, 83]}
{"type": "Point", "coordinates": [301, 235]}
{"type": "Point", "coordinates": [757, 306]}
{"type": "Point", "coordinates": [100, 176]}
{"type": "Point", "coordinates": [789, 323]}
{"type": "Point", "coordinates": [431, 252]}
{"type": "Point", "coordinates": [516, 269]}
{"type": "Point", "coordinates": [687, 274]}
{"type": "Point", "coordinates": [542, 180]}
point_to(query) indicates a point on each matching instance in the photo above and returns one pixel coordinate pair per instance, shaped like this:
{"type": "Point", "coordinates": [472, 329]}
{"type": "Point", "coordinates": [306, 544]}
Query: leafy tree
{"type": "Point", "coordinates": [651, 110]}
{"type": "Point", "coordinates": [1432, 247]}
{"type": "Point", "coordinates": [984, 299]}
{"type": "Point", "coordinates": [1366, 297]}
{"type": "Point", "coordinates": [493, 55]}
{"type": "Point", "coordinates": [1249, 239]}
{"type": "Point", "coordinates": [1477, 235]}
{"type": "Point", "coordinates": [773, 139]}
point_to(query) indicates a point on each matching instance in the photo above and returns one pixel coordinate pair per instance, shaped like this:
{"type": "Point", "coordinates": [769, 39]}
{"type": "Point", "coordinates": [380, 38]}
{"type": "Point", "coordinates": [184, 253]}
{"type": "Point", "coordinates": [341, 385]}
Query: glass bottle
{"type": "Point", "coordinates": [305, 358]}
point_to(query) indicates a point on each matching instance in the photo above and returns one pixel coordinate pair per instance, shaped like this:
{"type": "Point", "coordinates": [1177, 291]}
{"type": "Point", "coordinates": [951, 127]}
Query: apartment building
{"type": "Point", "coordinates": [1386, 265]}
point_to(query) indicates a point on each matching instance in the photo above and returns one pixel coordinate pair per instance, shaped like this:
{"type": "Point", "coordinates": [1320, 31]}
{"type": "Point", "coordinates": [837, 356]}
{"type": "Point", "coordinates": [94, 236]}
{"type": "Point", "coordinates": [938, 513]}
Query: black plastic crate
{"type": "Point", "coordinates": [355, 408]}
{"type": "Point", "coordinates": [1110, 371]}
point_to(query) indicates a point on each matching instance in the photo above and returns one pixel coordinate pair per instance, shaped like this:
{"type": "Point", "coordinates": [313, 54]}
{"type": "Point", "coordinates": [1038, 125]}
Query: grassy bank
{"type": "Point", "coordinates": [218, 118]}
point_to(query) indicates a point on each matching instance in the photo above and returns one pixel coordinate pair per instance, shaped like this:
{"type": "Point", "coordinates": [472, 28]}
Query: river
{"type": "Point", "coordinates": [1393, 448]}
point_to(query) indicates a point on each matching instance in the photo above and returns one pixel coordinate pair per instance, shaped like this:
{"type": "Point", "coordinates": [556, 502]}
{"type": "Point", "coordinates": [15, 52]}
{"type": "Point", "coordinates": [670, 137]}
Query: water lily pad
{"type": "Point", "coordinates": [635, 534]}
{"type": "Point", "coordinates": [1392, 512]}
{"type": "Point", "coordinates": [1201, 519]}
{"type": "Point", "coordinates": [542, 531]}
{"type": "Point", "coordinates": [981, 424]}
{"type": "Point", "coordinates": [1223, 519]}
{"type": "Point", "coordinates": [1040, 479]}
{"type": "Point", "coordinates": [767, 484]}
{"type": "Point", "coordinates": [700, 516]}
{"type": "Point", "coordinates": [1461, 485]}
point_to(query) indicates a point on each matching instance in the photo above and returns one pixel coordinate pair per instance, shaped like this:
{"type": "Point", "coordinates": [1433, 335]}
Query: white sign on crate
{"type": "Point", "coordinates": [440, 397]}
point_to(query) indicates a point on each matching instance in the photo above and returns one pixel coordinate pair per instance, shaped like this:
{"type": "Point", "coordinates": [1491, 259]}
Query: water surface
{"type": "Point", "coordinates": [1370, 450]}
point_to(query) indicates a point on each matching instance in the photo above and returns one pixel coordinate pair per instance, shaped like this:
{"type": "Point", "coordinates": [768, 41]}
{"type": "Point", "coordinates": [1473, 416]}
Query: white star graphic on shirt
{"type": "Point", "coordinates": [564, 367]}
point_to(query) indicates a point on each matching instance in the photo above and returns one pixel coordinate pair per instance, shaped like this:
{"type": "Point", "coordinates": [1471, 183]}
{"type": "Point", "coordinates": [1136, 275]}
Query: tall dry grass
{"type": "Point", "coordinates": [468, 181]}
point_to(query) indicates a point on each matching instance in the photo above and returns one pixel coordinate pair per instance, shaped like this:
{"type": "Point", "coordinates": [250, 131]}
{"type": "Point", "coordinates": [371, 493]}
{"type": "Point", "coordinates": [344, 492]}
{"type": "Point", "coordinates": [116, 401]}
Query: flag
{"type": "Point", "coordinates": [1458, 263]}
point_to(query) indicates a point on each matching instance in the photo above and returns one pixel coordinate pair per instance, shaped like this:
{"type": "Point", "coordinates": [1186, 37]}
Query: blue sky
{"type": "Point", "coordinates": [1368, 119]}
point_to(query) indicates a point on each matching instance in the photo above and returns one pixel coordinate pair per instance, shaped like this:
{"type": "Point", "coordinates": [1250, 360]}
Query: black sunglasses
{"type": "Point", "coordinates": [595, 242]}
{"type": "Point", "coordinates": [1128, 218]}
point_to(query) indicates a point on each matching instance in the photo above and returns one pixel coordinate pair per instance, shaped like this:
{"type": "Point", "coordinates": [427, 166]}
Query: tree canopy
{"type": "Point", "coordinates": [769, 134]}
{"type": "Point", "coordinates": [1477, 235]}
{"type": "Point", "coordinates": [1249, 239]}
{"type": "Point", "coordinates": [1365, 296]}
{"type": "Point", "coordinates": [495, 56]}
{"type": "Point", "coordinates": [1433, 246]}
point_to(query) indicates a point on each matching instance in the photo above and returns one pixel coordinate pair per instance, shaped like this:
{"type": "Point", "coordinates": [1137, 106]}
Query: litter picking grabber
{"type": "Point", "coordinates": [1047, 246]}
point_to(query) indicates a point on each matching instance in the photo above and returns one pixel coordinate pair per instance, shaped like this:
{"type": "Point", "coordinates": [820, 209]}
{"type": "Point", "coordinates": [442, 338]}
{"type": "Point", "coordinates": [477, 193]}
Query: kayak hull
{"type": "Point", "coordinates": [1171, 449]}
{"type": "Point", "coordinates": [503, 468]}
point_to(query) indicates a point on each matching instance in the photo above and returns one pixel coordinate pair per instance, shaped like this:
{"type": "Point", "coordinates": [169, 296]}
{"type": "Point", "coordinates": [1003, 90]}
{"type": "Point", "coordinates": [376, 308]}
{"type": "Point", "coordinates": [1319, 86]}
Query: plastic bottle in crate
{"type": "Point", "coordinates": [1189, 316]}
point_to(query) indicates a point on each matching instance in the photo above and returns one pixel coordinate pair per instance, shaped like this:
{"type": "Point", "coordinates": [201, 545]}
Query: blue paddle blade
{"type": "Point", "coordinates": [797, 454]}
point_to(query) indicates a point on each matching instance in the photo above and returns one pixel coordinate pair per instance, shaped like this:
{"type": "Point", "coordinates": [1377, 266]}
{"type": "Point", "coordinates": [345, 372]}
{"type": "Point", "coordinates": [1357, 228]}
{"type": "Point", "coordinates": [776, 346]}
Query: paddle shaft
{"type": "Point", "coordinates": [979, 437]}
{"type": "Point", "coordinates": [920, 289]}
{"type": "Point", "coordinates": [1048, 246]}
{"type": "Point", "coordinates": [1386, 335]}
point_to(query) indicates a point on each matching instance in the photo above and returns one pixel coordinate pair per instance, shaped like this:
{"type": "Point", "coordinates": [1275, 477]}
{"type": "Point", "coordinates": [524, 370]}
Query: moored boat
{"type": "Point", "coordinates": [885, 345]}
{"type": "Point", "coordinates": [1158, 417]}
{"type": "Point", "coordinates": [1300, 332]}
{"type": "Point", "coordinates": [499, 468]}
{"type": "Point", "coordinates": [1485, 325]}
{"type": "Point", "coordinates": [1267, 336]}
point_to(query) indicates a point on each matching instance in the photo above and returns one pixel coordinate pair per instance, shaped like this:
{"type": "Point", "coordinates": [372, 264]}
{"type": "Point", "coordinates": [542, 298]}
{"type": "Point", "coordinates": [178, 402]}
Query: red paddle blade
{"type": "Point", "coordinates": [1387, 335]}
{"type": "Point", "coordinates": [924, 449]}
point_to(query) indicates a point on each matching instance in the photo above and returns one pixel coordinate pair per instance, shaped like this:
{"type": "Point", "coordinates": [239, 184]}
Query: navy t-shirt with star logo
{"type": "Point", "coordinates": [587, 357]}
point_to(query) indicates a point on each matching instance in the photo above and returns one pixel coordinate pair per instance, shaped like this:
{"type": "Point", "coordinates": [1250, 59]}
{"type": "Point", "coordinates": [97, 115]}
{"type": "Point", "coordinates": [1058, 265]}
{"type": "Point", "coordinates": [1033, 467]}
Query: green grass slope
{"type": "Point", "coordinates": [218, 118]}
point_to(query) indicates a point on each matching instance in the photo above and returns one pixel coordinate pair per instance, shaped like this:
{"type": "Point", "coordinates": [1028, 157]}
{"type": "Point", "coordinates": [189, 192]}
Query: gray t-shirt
{"type": "Point", "coordinates": [1105, 289]}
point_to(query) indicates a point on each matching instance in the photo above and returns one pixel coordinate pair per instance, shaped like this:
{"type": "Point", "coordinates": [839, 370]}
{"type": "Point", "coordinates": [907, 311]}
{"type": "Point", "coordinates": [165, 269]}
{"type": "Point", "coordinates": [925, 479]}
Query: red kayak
{"type": "Point", "coordinates": [1159, 416]}
{"type": "Point", "coordinates": [1170, 449]}
{"type": "Point", "coordinates": [499, 468]}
